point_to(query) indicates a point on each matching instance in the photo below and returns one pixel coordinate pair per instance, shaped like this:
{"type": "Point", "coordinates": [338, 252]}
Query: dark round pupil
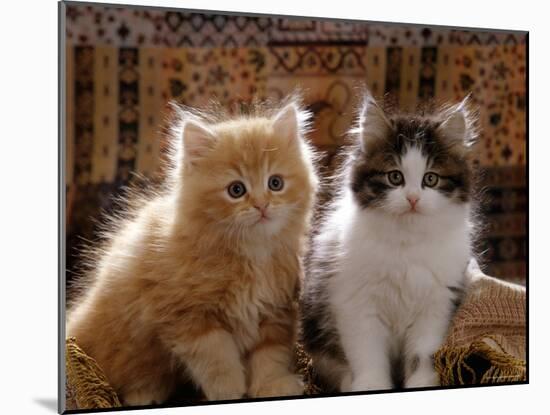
{"type": "Point", "coordinates": [236, 189]}
{"type": "Point", "coordinates": [395, 177]}
{"type": "Point", "coordinates": [275, 183]}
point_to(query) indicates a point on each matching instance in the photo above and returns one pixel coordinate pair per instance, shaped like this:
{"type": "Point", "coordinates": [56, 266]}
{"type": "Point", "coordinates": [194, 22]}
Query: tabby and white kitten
{"type": "Point", "coordinates": [388, 263]}
{"type": "Point", "coordinates": [201, 282]}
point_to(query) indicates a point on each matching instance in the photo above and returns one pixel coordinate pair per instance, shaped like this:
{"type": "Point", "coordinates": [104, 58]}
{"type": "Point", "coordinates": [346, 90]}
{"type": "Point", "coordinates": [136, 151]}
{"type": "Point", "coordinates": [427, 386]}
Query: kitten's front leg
{"type": "Point", "coordinates": [365, 343]}
{"type": "Point", "coordinates": [271, 359]}
{"type": "Point", "coordinates": [212, 357]}
{"type": "Point", "coordinates": [424, 337]}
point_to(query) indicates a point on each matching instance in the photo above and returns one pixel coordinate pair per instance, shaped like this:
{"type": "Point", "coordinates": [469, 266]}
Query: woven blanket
{"type": "Point", "coordinates": [486, 342]}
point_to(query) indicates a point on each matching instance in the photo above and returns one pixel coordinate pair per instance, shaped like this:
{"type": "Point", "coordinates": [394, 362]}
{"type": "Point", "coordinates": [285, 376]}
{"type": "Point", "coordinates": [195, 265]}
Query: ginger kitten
{"type": "Point", "coordinates": [389, 261]}
{"type": "Point", "coordinates": [202, 281]}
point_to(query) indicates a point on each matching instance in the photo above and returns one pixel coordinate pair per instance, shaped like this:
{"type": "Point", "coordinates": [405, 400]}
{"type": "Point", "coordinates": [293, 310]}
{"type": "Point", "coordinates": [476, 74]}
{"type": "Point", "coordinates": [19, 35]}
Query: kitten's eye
{"type": "Point", "coordinates": [430, 179]}
{"type": "Point", "coordinates": [236, 189]}
{"type": "Point", "coordinates": [396, 178]}
{"type": "Point", "coordinates": [276, 183]}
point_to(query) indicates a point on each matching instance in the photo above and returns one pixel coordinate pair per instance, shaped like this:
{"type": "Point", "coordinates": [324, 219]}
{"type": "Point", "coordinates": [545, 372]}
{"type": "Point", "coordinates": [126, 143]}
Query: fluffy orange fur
{"type": "Point", "coordinates": [199, 284]}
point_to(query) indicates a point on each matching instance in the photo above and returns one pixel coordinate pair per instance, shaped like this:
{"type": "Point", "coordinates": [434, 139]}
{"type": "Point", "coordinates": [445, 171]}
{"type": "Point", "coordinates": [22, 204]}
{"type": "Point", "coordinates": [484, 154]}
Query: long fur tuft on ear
{"type": "Point", "coordinates": [291, 122]}
{"type": "Point", "coordinates": [459, 123]}
{"type": "Point", "coordinates": [373, 123]}
{"type": "Point", "coordinates": [181, 118]}
{"type": "Point", "coordinates": [290, 116]}
{"type": "Point", "coordinates": [198, 140]}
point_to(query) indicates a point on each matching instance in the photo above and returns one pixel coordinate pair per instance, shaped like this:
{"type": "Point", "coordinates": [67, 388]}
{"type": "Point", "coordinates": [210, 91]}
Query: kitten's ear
{"type": "Point", "coordinates": [198, 140]}
{"type": "Point", "coordinates": [373, 123]}
{"type": "Point", "coordinates": [456, 124]}
{"type": "Point", "coordinates": [288, 121]}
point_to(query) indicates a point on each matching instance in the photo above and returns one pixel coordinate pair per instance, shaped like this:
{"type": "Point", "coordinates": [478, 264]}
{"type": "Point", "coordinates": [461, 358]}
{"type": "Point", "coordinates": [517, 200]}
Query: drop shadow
{"type": "Point", "coordinates": [48, 403]}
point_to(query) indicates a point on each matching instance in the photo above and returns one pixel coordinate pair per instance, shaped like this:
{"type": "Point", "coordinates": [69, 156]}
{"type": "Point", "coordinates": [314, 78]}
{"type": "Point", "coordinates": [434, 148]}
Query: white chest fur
{"type": "Point", "coordinates": [397, 268]}
{"type": "Point", "coordinates": [390, 292]}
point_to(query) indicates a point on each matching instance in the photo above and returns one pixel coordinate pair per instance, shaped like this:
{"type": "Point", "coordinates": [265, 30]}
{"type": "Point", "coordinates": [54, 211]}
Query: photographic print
{"type": "Point", "coordinates": [260, 206]}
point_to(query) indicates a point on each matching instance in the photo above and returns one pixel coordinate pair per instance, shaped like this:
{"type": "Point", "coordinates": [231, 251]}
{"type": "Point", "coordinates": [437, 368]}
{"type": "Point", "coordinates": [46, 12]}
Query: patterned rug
{"type": "Point", "coordinates": [124, 65]}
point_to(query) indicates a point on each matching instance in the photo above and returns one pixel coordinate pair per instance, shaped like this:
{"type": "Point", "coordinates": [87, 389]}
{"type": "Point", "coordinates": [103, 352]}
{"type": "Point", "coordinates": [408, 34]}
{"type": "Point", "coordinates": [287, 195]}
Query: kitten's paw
{"type": "Point", "coordinates": [287, 385]}
{"type": "Point", "coordinates": [422, 379]}
{"type": "Point", "coordinates": [346, 383]}
{"type": "Point", "coordinates": [225, 387]}
{"type": "Point", "coordinates": [143, 397]}
{"type": "Point", "coordinates": [370, 383]}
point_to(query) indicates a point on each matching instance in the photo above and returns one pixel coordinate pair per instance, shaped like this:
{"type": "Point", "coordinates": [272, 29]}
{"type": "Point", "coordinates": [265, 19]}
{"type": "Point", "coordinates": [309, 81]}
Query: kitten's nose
{"type": "Point", "coordinates": [262, 207]}
{"type": "Point", "coordinates": [413, 200]}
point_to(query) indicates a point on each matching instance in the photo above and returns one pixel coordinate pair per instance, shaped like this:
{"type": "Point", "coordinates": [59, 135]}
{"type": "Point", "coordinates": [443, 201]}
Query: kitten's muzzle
{"type": "Point", "coordinates": [262, 208]}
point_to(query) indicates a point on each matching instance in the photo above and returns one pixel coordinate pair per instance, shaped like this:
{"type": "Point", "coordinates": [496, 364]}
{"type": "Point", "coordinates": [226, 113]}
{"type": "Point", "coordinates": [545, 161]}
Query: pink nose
{"type": "Point", "coordinates": [262, 208]}
{"type": "Point", "coordinates": [413, 200]}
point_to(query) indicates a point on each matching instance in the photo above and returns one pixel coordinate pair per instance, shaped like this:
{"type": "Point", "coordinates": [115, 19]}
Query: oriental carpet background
{"type": "Point", "coordinates": [125, 64]}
